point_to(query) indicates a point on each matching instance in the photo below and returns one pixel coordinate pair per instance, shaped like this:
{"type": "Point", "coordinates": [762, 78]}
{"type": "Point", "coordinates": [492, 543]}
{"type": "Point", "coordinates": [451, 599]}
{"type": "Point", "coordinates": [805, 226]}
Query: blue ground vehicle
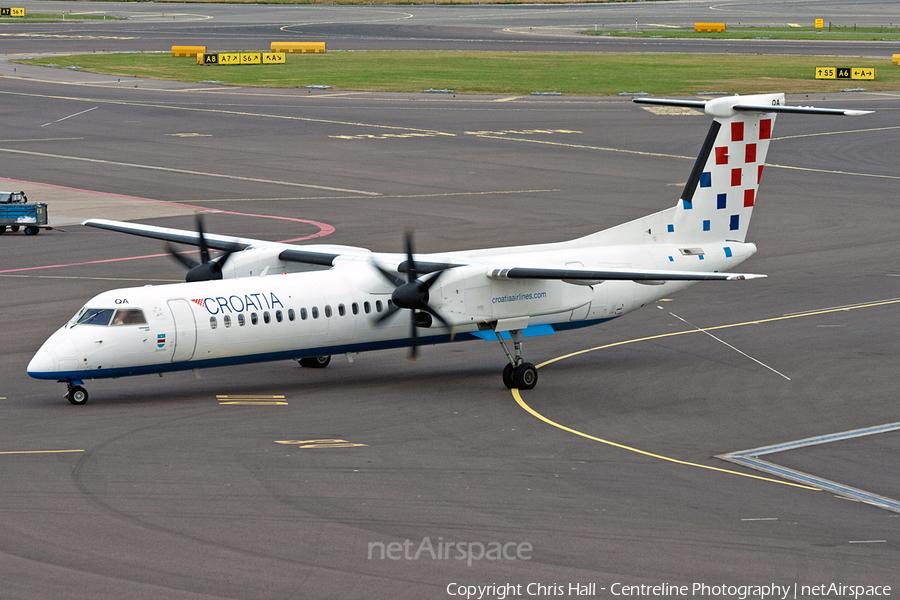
{"type": "Point", "coordinates": [16, 213]}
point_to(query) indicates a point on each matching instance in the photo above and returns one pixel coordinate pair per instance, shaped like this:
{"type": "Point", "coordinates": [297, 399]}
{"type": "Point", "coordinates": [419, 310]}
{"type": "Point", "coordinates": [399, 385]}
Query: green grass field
{"type": "Point", "coordinates": [504, 72]}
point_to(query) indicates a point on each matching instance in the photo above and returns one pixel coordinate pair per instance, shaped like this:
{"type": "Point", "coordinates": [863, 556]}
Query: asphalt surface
{"type": "Point", "coordinates": [156, 489]}
{"type": "Point", "coordinates": [536, 28]}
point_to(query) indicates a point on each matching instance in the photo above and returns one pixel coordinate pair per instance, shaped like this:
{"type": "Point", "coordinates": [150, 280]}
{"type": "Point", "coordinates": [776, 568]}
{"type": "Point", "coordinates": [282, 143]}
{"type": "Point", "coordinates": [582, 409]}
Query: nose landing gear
{"type": "Point", "coordinates": [76, 394]}
{"type": "Point", "coordinates": [518, 373]}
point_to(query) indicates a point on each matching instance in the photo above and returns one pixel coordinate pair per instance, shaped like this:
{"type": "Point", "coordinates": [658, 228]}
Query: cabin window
{"type": "Point", "coordinates": [367, 308]}
{"type": "Point", "coordinates": [278, 316]}
{"type": "Point", "coordinates": [96, 316]}
{"type": "Point", "coordinates": [341, 310]}
{"type": "Point", "coordinates": [303, 314]}
{"type": "Point", "coordinates": [227, 320]}
{"type": "Point", "coordinates": [390, 303]}
{"type": "Point", "coordinates": [241, 319]}
{"type": "Point", "coordinates": [291, 314]}
{"type": "Point", "coordinates": [355, 308]}
{"type": "Point", "coordinates": [254, 319]}
{"type": "Point", "coordinates": [266, 317]}
{"type": "Point", "coordinates": [328, 311]}
{"type": "Point", "coordinates": [378, 306]}
{"type": "Point", "coordinates": [129, 316]}
{"type": "Point", "coordinates": [315, 312]}
{"type": "Point", "coordinates": [213, 323]}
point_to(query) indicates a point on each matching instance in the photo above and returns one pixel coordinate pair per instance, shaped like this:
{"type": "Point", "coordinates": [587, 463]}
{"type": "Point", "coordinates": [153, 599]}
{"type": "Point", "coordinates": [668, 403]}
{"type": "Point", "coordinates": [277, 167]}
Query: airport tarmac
{"type": "Point", "coordinates": [149, 26]}
{"type": "Point", "coordinates": [273, 481]}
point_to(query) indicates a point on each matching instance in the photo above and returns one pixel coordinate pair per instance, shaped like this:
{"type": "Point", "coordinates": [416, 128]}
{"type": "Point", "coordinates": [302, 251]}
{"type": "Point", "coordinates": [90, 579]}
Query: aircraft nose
{"type": "Point", "coordinates": [42, 364]}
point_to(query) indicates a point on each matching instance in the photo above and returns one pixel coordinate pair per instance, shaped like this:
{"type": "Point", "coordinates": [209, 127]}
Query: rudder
{"type": "Point", "coordinates": [718, 199]}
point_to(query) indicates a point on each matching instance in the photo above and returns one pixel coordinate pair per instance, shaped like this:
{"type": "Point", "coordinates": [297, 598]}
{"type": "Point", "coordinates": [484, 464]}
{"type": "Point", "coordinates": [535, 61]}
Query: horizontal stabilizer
{"type": "Point", "coordinates": [726, 105]}
{"type": "Point", "coordinates": [802, 110]}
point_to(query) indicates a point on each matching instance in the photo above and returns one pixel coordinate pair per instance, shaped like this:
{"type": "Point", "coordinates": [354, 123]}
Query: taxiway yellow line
{"type": "Point", "coordinates": [729, 326]}
{"type": "Point", "coordinates": [39, 451]}
{"type": "Point", "coordinates": [518, 397]}
{"type": "Point", "coordinates": [252, 403]}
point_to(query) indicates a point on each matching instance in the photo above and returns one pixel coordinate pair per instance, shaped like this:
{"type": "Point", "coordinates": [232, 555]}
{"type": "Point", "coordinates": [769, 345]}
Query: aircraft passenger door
{"type": "Point", "coordinates": [185, 330]}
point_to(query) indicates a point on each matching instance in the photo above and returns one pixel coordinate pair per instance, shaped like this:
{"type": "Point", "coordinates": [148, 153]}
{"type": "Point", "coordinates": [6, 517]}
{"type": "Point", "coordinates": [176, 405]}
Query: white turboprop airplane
{"type": "Point", "coordinates": [263, 301]}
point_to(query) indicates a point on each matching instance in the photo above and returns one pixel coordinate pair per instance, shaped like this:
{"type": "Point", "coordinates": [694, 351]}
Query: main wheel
{"type": "Point", "coordinates": [14, 228]}
{"type": "Point", "coordinates": [525, 376]}
{"type": "Point", "coordinates": [77, 395]}
{"type": "Point", "coordinates": [508, 376]}
{"type": "Point", "coordinates": [2, 229]}
{"type": "Point", "coordinates": [32, 230]}
{"type": "Point", "coordinates": [315, 362]}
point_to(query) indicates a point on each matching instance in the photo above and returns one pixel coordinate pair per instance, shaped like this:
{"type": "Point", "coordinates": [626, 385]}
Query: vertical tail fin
{"type": "Point", "coordinates": [720, 193]}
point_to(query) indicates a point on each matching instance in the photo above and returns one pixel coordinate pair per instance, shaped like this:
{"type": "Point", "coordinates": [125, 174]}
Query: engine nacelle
{"type": "Point", "coordinates": [252, 262]}
{"type": "Point", "coordinates": [468, 295]}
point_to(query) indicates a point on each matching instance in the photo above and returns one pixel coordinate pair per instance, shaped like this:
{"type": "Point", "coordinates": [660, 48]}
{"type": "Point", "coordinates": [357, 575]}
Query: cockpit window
{"type": "Point", "coordinates": [129, 316]}
{"type": "Point", "coordinates": [96, 316]}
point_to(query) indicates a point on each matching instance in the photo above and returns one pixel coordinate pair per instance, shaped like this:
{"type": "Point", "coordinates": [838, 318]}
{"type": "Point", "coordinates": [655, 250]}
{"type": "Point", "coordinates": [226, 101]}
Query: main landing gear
{"type": "Point", "coordinates": [315, 362]}
{"type": "Point", "coordinates": [76, 394]}
{"type": "Point", "coordinates": [518, 373]}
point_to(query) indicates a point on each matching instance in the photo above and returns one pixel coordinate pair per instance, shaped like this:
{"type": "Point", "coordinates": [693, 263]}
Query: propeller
{"type": "Point", "coordinates": [207, 269]}
{"type": "Point", "coordinates": [412, 294]}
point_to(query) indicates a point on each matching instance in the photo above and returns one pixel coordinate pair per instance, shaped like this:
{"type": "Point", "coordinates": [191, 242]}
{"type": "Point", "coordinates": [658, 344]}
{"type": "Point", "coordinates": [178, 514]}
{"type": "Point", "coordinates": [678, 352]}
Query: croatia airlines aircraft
{"type": "Point", "coordinates": [263, 301]}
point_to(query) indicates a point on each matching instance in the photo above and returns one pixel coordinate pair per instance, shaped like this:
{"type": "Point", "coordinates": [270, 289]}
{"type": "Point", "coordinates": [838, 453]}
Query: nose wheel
{"type": "Point", "coordinates": [517, 373]}
{"type": "Point", "coordinates": [76, 394]}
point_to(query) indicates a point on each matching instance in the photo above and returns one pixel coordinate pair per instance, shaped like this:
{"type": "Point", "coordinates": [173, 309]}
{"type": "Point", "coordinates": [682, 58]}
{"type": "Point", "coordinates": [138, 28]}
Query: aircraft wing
{"type": "Point", "coordinates": [180, 236]}
{"type": "Point", "coordinates": [596, 275]}
{"type": "Point", "coordinates": [321, 255]}
{"type": "Point", "coordinates": [325, 255]}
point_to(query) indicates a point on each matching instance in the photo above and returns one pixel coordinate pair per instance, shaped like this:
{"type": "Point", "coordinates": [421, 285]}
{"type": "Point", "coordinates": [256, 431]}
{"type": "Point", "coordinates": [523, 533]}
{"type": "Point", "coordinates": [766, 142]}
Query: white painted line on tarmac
{"type": "Point", "coordinates": [188, 172]}
{"type": "Point", "coordinates": [721, 341]}
{"type": "Point", "coordinates": [750, 458]}
{"type": "Point", "coordinates": [820, 439]}
{"type": "Point", "coordinates": [70, 116]}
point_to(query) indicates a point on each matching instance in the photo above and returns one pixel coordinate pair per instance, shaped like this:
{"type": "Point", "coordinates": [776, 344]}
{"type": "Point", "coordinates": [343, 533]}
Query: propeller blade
{"type": "Point", "coordinates": [432, 278]}
{"type": "Point", "coordinates": [439, 317]}
{"type": "Point", "coordinates": [216, 265]}
{"type": "Point", "coordinates": [390, 313]}
{"type": "Point", "coordinates": [411, 272]}
{"type": "Point", "coordinates": [388, 275]}
{"type": "Point", "coordinates": [184, 260]}
{"type": "Point", "coordinates": [412, 294]}
{"type": "Point", "coordinates": [204, 248]}
{"type": "Point", "coordinates": [413, 338]}
{"type": "Point", "coordinates": [206, 270]}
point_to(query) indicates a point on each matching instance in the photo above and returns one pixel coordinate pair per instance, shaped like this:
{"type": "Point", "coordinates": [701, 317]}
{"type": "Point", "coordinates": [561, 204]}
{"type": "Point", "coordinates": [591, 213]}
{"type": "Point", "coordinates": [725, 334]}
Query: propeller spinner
{"type": "Point", "coordinates": [413, 295]}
